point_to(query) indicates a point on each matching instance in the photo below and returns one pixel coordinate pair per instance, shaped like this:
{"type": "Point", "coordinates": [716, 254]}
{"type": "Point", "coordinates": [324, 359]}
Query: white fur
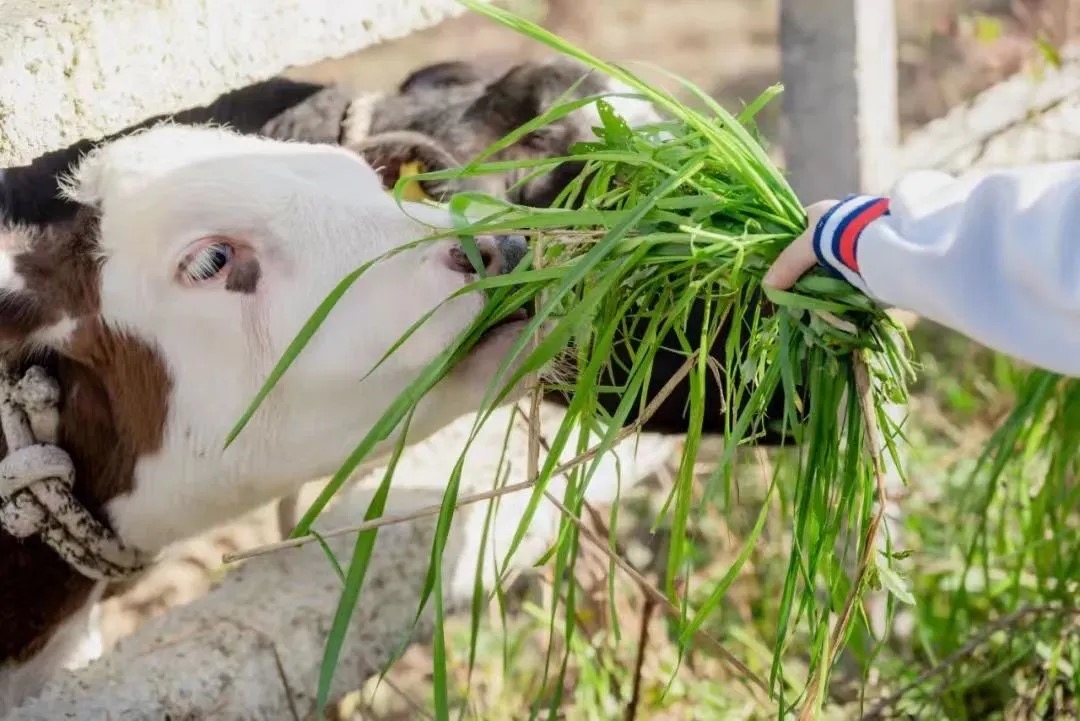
{"type": "Point", "coordinates": [56, 334]}
{"type": "Point", "coordinates": [9, 279]}
{"type": "Point", "coordinates": [311, 213]}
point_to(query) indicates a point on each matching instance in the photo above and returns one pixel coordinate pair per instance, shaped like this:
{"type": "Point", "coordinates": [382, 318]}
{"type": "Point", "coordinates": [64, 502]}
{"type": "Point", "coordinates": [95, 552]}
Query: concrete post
{"type": "Point", "coordinates": [841, 128]}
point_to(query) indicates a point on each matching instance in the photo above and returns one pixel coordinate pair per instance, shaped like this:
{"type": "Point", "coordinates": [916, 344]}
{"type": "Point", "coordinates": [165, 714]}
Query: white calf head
{"type": "Point", "coordinates": [197, 259]}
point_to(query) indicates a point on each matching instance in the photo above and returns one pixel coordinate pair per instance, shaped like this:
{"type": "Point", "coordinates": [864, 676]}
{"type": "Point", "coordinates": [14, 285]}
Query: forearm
{"type": "Point", "coordinates": [995, 257]}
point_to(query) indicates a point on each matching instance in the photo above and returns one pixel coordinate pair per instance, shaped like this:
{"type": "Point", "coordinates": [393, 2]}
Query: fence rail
{"type": "Point", "coordinates": [840, 129]}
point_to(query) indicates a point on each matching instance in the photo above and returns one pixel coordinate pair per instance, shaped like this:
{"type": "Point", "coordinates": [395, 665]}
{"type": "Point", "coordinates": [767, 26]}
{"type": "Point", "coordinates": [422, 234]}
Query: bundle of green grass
{"type": "Point", "coordinates": [685, 214]}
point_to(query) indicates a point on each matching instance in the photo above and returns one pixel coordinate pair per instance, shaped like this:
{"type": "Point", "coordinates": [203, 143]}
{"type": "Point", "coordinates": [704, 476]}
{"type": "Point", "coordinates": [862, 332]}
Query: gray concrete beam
{"type": "Point", "coordinates": [73, 69]}
{"type": "Point", "coordinates": [840, 122]}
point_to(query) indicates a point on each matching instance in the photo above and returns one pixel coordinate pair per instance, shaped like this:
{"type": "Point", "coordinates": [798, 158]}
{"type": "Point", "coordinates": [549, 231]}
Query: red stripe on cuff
{"type": "Point", "coordinates": [850, 239]}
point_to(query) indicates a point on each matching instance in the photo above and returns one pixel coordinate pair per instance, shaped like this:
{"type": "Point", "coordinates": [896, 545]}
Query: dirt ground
{"type": "Point", "coordinates": [728, 47]}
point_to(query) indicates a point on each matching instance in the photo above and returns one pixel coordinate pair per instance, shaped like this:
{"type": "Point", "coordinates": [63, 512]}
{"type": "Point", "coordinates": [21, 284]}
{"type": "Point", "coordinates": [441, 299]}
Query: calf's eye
{"type": "Point", "coordinates": [207, 262]}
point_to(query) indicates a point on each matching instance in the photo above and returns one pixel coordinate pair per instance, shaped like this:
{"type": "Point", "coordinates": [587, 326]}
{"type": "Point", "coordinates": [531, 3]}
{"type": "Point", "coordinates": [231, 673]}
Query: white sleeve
{"type": "Point", "coordinates": [994, 256]}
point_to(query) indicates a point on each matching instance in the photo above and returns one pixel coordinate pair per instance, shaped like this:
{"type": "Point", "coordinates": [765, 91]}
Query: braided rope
{"type": "Point", "coordinates": [36, 480]}
{"type": "Point", "coordinates": [356, 125]}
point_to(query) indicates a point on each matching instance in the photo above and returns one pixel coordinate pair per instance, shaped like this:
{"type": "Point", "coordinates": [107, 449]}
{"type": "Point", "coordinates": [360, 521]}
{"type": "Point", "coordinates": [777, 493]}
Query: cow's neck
{"type": "Point", "coordinates": [39, 591]}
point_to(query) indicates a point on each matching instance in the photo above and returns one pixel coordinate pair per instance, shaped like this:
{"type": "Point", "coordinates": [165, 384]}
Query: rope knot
{"type": "Point", "coordinates": [37, 480]}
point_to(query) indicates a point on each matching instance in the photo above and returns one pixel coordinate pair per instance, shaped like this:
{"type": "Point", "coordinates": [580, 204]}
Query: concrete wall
{"type": "Point", "coordinates": [1029, 118]}
{"type": "Point", "coordinates": [72, 69]}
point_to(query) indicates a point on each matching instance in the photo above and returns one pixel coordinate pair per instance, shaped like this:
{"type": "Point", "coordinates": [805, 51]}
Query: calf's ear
{"type": "Point", "coordinates": [439, 76]}
{"type": "Point", "coordinates": [401, 153]}
{"type": "Point", "coordinates": [529, 89]}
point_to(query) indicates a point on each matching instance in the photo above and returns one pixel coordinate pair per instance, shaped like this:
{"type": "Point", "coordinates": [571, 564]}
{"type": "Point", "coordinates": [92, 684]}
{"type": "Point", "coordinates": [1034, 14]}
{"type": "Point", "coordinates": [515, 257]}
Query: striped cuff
{"type": "Point", "coordinates": [837, 234]}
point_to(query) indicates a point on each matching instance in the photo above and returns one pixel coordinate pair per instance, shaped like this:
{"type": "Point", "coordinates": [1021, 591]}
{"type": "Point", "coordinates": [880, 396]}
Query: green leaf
{"type": "Point", "coordinates": [1049, 52]}
{"type": "Point", "coordinates": [988, 29]}
{"type": "Point", "coordinates": [615, 130]}
{"type": "Point", "coordinates": [354, 580]}
{"type": "Point", "coordinates": [892, 581]}
{"type": "Point", "coordinates": [667, 248]}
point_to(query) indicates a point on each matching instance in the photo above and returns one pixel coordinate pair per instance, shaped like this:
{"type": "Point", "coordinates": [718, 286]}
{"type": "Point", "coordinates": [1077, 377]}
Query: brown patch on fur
{"type": "Point", "coordinates": [244, 276]}
{"type": "Point", "coordinates": [389, 152]}
{"type": "Point", "coordinates": [114, 399]}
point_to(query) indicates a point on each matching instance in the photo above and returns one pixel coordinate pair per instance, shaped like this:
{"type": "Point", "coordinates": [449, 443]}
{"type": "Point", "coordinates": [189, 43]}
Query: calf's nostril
{"type": "Point", "coordinates": [513, 249]}
{"type": "Point", "coordinates": [499, 254]}
{"type": "Point", "coordinates": [490, 257]}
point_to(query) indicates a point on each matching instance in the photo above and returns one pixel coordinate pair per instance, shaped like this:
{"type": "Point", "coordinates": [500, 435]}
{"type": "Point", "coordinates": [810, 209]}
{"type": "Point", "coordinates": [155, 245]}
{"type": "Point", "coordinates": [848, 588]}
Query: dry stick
{"type": "Point", "coordinates": [658, 596]}
{"type": "Point", "coordinates": [533, 461]}
{"type": "Point", "coordinates": [643, 641]}
{"type": "Point", "coordinates": [376, 523]}
{"type": "Point", "coordinates": [532, 456]}
{"type": "Point", "coordinates": [1005, 622]}
{"type": "Point", "coordinates": [434, 510]}
{"type": "Point", "coordinates": [870, 429]}
{"type": "Point", "coordinates": [648, 606]}
{"type": "Point", "coordinates": [648, 589]}
{"type": "Point", "coordinates": [408, 699]}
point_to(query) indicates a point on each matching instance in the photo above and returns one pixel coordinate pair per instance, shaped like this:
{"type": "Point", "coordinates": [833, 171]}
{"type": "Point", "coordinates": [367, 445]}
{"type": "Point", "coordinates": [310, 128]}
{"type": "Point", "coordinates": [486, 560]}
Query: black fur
{"type": "Point", "coordinates": [440, 76]}
{"type": "Point", "coordinates": [467, 114]}
{"type": "Point", "coordinates": [462, 109]}
{"type": "Point", "coordinates": [30, 193]}
{"type": "Point", "coordinates": [318, 119]}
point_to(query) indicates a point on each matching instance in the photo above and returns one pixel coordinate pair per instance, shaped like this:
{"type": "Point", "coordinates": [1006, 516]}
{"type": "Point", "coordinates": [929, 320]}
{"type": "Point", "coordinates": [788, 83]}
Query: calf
{"type": "Point", "coordinates": [194, 258]}
{"type": "Point", "coordinates": [444, 115]}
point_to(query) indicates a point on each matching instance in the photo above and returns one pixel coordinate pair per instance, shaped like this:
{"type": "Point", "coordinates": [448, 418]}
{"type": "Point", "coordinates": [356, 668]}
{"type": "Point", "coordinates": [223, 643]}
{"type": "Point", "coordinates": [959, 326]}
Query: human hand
{"type": "Point", "coordinates": [799, 257]}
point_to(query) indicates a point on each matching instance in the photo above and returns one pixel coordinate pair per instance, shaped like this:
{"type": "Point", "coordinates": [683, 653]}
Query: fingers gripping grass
{"type": "Point", "coordinates": [664, 220]}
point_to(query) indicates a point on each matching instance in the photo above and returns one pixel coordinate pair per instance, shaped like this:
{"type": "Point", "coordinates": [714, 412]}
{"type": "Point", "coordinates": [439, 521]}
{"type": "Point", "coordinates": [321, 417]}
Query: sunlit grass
{"type": "Point", "coordinates": [689, 211]}
{"type": "Point", "coordinates": [1009, 656]}
{"type": "Point", "coordinates": [693, 211]}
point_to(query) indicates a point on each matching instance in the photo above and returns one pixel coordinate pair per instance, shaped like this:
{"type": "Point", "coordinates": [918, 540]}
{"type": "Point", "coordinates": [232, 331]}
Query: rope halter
{"type": "Point", "coordinates": [36, 481]}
